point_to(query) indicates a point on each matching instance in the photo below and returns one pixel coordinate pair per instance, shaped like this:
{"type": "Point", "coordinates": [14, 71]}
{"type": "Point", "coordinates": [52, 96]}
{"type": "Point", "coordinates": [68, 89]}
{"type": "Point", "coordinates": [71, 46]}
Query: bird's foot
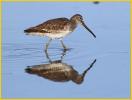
{"type": "Point", "coordinates": [66, 49]}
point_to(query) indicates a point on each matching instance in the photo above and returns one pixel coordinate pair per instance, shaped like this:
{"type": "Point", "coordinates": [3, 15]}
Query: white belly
{"type": "Point", "coordinates": [51, 35]}
{"type": "Point", "coordinates": [58, 66]}
{"type": "Point", "coordinates": [57, 35]}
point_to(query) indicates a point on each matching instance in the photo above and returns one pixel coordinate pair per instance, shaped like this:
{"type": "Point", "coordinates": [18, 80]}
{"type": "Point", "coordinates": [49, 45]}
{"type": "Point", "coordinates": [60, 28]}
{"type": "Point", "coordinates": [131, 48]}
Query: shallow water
{"type": "Point", "coordinates": [108, 78]}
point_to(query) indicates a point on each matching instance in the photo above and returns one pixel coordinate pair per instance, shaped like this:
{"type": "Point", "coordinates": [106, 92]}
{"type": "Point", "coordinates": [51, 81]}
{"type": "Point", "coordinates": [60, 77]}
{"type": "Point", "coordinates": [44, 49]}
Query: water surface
{"type": "Point", "coordinates": [108, 78]}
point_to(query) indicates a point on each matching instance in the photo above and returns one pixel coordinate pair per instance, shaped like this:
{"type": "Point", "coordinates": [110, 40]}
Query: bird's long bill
{"type": "Point", "coordinates": [84, 73]}
{"type": "Point", "coordinates": [88, 29]}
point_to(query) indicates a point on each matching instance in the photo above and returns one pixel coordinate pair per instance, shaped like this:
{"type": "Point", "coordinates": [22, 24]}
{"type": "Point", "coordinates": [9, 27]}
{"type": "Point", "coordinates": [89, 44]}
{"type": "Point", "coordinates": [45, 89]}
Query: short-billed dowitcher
{"type": "Point", "coordinates": [57, 28]}
{"type": "Point", "coordinates": [58, 71]}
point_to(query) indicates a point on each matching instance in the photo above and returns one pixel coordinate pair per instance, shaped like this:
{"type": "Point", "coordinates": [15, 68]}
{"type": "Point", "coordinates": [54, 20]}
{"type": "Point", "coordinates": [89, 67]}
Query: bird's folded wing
{"type": "Point", "coordinates": [53, 26]}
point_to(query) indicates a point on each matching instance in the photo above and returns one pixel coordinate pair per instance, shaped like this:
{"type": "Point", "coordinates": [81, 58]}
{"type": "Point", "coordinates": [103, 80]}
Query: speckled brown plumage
{"type": "Point", "coordinates": [51, 26]}
{"type": "Point", "coordinates": [58, 72]}
{"type": "Point", "coordinates": [57, 28]}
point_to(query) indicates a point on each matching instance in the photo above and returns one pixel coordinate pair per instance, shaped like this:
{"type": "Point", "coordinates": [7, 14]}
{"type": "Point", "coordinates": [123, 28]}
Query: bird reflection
{"type": "Point", "coordinates": [58, 71]}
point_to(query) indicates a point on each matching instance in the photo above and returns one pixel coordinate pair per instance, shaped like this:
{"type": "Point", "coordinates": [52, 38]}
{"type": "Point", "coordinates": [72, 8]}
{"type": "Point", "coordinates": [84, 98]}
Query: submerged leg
{"type": "Point", "coordinates": [63, 54]}
{"type": "Point", "coordinates": [65, 48]}
{"type": "Point", "coordinates": [47, 44]}
{"type": "Point", "coordinates": [47, 56]}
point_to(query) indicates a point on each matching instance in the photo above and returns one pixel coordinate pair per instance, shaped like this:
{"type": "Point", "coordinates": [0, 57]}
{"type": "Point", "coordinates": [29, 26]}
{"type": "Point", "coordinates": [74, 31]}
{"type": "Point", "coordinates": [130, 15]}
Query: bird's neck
{"type": "Point", "coordinates": [73, 24]}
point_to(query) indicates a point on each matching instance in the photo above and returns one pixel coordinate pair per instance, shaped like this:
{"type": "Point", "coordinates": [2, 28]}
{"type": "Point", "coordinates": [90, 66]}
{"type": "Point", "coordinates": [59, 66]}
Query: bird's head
{"type": "Point", "coordinates": [79, 20]}
{"type": "Point", "coordinates": [78, 79]}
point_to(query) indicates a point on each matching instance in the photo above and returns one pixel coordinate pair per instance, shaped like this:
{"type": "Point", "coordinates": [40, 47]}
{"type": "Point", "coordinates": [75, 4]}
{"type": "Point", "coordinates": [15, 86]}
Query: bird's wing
{"type": "Point", "coordinates": [54, 25]}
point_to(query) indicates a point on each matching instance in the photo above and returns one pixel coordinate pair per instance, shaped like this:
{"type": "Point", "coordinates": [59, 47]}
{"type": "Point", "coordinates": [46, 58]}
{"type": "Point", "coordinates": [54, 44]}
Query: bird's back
{"type": "Point", "coordinates": [53, 26]}
{"type": "Point", "coordinates": [59, 72]}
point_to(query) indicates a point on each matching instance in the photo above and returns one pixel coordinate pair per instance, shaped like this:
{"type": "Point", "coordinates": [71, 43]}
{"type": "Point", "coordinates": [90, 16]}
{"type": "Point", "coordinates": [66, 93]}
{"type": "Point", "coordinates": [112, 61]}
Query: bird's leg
{"type": "Point", "coordinates": [65, 48]}
{"type": "Point", "coordinates": [63, 54]}
{"type": "Point", "coordinates": [47, 44]}
{"type": "Point", "coordinates": [47, 56]}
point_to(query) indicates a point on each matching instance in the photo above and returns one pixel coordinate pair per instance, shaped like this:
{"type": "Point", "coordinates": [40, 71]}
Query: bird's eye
{"type": "Point", "coordinates": [80, 18]}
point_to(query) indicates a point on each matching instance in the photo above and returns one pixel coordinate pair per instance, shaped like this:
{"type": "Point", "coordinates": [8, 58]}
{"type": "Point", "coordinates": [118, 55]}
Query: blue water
{"type": "Point", "coordinates": [109, 77]}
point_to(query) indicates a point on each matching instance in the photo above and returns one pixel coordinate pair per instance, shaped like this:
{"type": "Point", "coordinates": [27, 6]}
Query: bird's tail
{"type": "Point", "coordinates": [28, 70]}
{"type": "Point", "coordinates": [31, 29]}
{"type": "Point", "coordinates": [34, 31]}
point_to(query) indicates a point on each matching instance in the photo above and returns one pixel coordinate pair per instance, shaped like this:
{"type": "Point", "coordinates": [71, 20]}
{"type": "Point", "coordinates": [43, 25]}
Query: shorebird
{"type": "Point", "coordinates": [57, 28]}
{"type": "Point", "coordinates": [58, 71]}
